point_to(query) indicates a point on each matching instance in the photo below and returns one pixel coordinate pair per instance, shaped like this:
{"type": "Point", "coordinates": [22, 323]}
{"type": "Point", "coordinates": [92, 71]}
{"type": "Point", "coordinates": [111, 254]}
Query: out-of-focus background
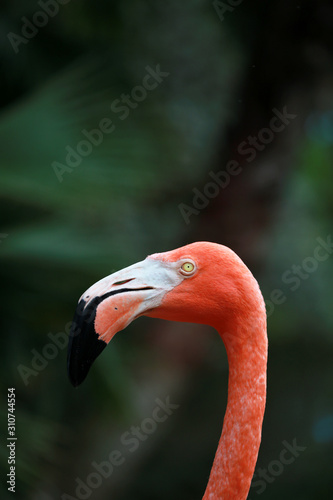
{"type": "Point", "coordinates": [118, 124]}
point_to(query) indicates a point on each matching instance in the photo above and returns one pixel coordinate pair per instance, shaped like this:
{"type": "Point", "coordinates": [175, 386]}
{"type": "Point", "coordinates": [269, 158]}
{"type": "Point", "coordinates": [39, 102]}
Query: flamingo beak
{"type": "Point", "coordinates": [109, 306]}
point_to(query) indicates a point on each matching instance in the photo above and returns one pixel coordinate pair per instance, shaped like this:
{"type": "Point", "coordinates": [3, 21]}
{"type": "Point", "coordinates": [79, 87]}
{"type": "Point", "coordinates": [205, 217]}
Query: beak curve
{"type": "Point", "coordinates": [109, 306]}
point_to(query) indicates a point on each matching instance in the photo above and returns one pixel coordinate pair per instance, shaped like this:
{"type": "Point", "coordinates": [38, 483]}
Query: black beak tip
{"type": "Point", "coordinates": [74, 381]}
{"type": "Point", "coordinates": [77, 374]}
{"type": "Point", "coordinates": [84, 346]}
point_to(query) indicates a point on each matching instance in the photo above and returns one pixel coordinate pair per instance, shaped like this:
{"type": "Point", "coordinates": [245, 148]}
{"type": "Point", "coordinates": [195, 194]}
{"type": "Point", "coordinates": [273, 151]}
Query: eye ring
{"type": "Point", "coordinates": [187, 268]}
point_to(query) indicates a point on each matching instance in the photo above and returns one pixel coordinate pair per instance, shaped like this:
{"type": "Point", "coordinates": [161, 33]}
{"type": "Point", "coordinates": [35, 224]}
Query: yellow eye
{"type": "Point", "coordinates": [187, 267]}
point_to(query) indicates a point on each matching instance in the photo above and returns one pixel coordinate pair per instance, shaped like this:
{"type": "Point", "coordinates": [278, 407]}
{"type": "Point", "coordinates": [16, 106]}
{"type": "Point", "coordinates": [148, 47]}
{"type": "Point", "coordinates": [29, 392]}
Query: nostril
{"type": "Point", "coordinates": [122, 282]}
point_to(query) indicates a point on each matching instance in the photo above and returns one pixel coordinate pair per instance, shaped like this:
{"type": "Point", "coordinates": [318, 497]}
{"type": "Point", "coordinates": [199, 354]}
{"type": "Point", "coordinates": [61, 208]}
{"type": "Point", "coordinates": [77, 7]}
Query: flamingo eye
{"type": "Point", "coordinates": [187, 268]}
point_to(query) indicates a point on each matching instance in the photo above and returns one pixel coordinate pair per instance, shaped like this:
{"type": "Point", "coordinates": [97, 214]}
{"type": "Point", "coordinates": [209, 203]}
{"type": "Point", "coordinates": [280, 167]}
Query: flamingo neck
{"type": "Point", "coordinates": [237, 452]}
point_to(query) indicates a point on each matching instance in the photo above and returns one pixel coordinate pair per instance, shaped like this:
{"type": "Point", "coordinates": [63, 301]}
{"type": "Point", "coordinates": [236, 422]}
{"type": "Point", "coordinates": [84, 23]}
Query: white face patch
{"type": "Point", "coordinates": [160, 276]}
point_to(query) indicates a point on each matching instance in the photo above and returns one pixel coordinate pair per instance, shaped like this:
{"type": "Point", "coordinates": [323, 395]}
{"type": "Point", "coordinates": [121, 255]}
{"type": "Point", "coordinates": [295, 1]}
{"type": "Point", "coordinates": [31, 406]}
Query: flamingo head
{"type": "Point", "coordinates": [198, 283]}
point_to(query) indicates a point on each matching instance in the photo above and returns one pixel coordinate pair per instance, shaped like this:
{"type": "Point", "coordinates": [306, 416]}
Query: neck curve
{"type": "Point", "coordinates": [236, 455]}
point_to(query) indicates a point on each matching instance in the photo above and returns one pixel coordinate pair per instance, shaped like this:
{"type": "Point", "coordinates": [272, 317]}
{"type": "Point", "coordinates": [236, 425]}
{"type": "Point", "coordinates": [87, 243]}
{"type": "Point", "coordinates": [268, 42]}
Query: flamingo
{"type": "Point", "coordinates": [205, 283]}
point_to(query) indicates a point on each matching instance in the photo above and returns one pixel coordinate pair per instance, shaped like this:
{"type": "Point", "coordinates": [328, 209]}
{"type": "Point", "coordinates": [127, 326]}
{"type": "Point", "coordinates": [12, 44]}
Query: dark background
{"type": "Point", "coordinates": [227, 73]}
